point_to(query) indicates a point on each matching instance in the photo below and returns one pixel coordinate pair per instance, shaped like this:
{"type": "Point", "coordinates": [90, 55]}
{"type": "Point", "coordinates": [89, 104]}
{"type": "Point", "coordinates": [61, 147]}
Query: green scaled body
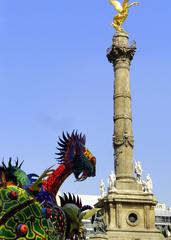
{"type": "Point", "coordinates": [19, 208]}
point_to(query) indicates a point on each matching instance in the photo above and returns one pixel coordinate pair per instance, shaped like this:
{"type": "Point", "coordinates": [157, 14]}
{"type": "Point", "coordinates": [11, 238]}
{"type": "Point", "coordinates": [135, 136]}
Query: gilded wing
{"type": "Point", "coordinates": [117, 5]}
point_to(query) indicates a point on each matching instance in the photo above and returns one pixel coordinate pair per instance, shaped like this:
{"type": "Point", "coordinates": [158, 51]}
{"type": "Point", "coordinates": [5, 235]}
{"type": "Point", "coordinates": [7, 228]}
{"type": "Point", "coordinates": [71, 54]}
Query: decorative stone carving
{"type": "Point", "coordinates": [121, 53]}
{"type": "Point", "coordinates": [99, 223]}
{"type": "Point", "coordinates": [102, 188]}
{"type": "Point", "coordinates": [125, 139]}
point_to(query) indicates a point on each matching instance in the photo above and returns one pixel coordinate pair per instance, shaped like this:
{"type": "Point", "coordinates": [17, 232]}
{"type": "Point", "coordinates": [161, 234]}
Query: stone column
{"type": "Point", "coordinates": [120, 55]}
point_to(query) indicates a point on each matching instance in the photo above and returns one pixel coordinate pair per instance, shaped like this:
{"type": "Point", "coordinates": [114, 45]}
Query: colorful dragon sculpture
{"type": "Point", "coordinates": [28, 208]}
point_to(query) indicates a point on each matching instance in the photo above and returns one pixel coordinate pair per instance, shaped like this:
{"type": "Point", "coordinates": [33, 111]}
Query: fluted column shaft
{"type": "Point", "coordinates": [120, 55]}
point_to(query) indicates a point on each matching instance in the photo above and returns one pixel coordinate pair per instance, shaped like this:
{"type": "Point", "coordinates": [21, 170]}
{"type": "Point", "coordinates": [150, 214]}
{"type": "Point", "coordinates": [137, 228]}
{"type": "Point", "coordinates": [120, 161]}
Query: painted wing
{"type": "Point", "coordinates": [35, 186]}
{"type": "Point", "coordinates": [117, 5]}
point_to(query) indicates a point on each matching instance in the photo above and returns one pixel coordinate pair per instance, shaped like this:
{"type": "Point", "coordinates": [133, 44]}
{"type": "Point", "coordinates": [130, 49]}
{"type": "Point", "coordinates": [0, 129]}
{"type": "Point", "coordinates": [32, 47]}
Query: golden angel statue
{"type": "Point", "coordinates": [122, 10]}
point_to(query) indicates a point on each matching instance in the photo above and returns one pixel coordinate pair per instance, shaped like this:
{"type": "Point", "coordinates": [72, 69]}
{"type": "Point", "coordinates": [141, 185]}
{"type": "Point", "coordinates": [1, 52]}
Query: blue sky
{"type": "Point", "coordinates": [54, 77]}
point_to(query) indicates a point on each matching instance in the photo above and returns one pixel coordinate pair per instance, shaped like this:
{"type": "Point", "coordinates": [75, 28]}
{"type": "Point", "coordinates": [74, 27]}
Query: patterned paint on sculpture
{"type": "Point", "coordinates": [21, 216]}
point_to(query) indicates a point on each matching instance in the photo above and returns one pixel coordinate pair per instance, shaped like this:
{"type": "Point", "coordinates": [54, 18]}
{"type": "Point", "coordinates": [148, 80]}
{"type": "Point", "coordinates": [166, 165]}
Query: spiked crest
{"type": "Point", "coordinates": [70, 145]}
{"type": "Point", "coordinates": [71, 198]}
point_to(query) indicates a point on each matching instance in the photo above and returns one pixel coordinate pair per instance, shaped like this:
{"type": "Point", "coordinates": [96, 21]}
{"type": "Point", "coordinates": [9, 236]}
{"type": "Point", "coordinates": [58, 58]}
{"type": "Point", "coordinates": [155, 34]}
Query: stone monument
{"type": "Point", "coordinates": [128, 211]}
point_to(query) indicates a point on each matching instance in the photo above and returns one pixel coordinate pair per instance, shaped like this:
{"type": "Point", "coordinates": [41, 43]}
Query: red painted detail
{"type": "Point", "coordinates": [56, 178]}
{"type": "Point", "coordinates": [22, 229]}
{"type": "Point", "coordinates": [13, 195]}
{"type": "Point", "coordinates": [48, 212]}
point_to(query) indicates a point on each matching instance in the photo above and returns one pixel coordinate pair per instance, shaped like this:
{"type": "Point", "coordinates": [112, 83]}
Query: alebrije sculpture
{"type": "Point", "coordinates": [75, 213]}
{"type": "Point", "coordinates": [28, 208]}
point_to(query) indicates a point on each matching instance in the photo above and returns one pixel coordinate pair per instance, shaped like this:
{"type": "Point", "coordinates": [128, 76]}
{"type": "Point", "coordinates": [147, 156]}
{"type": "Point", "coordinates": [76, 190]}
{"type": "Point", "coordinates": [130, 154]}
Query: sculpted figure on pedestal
{"type": "Point", "coordinates": [102, 188]}
{"type": "Point", "coordinates": [111, 181]}
{"type": "Point", "coordinates": [138, 171]}
{"type": "Point", "coordinates": [148, 184]}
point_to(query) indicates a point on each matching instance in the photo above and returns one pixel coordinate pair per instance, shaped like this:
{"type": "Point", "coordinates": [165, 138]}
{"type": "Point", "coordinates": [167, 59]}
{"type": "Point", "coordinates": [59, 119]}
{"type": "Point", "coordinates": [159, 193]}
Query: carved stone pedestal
{"type": "Point", "coordinates": [130, 216]}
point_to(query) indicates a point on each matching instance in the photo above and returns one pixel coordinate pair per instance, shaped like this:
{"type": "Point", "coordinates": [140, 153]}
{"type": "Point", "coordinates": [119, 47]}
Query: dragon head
{"type": "Point", "coordinates": [72, 152]}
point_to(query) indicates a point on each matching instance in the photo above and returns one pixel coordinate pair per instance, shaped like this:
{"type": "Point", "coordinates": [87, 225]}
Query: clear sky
{"type": "Point", "coordinates": [54, 77]}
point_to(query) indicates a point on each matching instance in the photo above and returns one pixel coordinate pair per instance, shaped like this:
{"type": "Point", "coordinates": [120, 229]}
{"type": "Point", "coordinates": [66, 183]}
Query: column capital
{"type": "Point", "coordinates": [118, 53]}
{"type": "Point", "coordinates": [121, 50]}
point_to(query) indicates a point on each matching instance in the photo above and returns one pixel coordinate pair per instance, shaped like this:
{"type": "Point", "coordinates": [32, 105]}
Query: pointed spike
{"type": "Point", "coordinates": [68, 200]}
{"type": "Point", "coordinates": [60, 154]}
{"type": "Point", "coordinates": [80, 203]}
{"type": "Point", "coordinates": [80, 137]}
{"type": "Point", "coordinates": [60, 160]}
{"type": "Point", "coordinates": [64, 137]}
{"type": "Point", "coordinates": [62, 201]}
{"type": "Point", "coordinates": [60, 149]}
{"type": "Point", "coordinates": [73, 133]}
{"type": "Point", "coordinates": [68, 135]}
{"type": "Point", "coordinates": [65, 197]}
{"type": "Point", "coordinates": [61, 144]}
{"type": "Point", "coordinates": [3, 164]}
{"type": "Point", "coordinates": [77, 200]}
{"type": "Point", "coordinates": [20, 164]}
{"type": "Point", "coordinates": [70, 197]}
{"type": "Point", "coordinates": [60, 157]}
{"type": "Point", "coordinates": [74, 199]}
{"type": "Point", "coordinates": [61, 140]}
{"type": "Point", "coordinates": [16, 163]}
{"type": "Point", "coordinates": [84, 139]}
{"type": "Point", "coordinates": [9, 163]}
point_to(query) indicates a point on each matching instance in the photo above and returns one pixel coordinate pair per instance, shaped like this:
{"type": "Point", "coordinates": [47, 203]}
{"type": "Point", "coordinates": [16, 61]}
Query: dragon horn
{"type": "Point", "coordinates": [9, 163]}
{"type": "Point", "coordinates": [3, 164]}
{"type": "Point", "coordinates": [16, 163]}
